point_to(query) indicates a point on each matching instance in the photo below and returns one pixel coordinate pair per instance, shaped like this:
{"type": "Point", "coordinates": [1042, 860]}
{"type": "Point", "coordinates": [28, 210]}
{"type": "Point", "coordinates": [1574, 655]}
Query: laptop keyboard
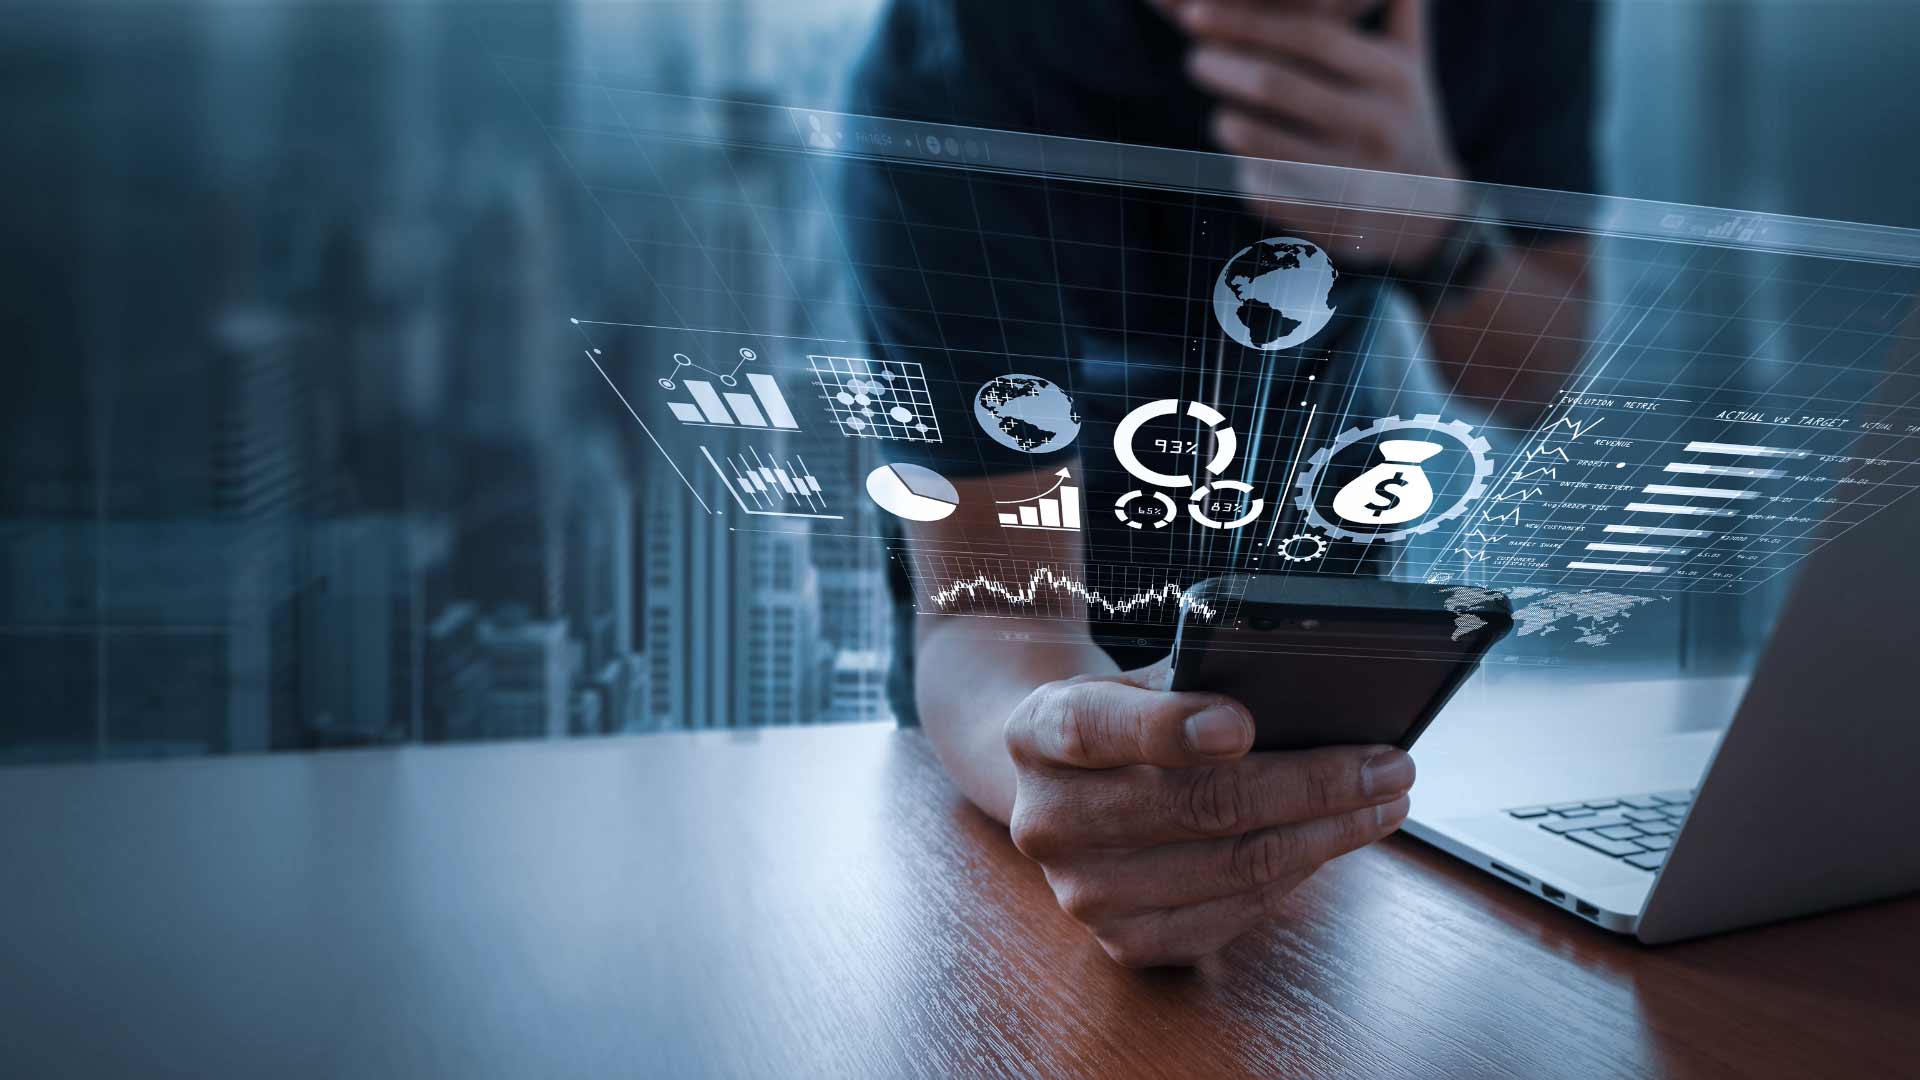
{"type": "Point", "coordinates": [1636, 829]}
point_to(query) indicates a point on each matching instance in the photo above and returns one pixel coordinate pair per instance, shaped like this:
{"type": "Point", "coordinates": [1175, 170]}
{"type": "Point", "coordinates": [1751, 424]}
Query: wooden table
{"type": "Point", "coordinates": [813, 902]}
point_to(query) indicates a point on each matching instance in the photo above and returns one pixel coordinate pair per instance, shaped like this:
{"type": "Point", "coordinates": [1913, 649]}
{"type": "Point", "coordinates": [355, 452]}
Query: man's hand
{"type": "Point", "coordinates": [1300, 81]}
{"type": "Point", "coordinates": [1160, 832]}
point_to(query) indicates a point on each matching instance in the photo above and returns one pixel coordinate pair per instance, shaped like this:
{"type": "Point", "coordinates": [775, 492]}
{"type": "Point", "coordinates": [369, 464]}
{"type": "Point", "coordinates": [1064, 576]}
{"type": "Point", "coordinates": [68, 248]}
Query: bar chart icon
{"type": "Point", "coordinates": [766, 486]}
{"type": "Point", "coordinates": [1056, 509]}
{"type": "Point", "coordinates": [765, 407]}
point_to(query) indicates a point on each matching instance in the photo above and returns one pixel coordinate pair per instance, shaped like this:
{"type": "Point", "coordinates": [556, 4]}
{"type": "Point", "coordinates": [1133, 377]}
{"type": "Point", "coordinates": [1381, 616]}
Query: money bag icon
{"type": "Point", "coordinates": [1396, 490]}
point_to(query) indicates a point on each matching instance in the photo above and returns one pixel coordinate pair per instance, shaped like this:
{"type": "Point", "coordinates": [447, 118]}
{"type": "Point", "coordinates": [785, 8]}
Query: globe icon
{"type": "Point", "coordinates": [1026, 412]}
{"type": "Point", "coordinates": [1273, 294]}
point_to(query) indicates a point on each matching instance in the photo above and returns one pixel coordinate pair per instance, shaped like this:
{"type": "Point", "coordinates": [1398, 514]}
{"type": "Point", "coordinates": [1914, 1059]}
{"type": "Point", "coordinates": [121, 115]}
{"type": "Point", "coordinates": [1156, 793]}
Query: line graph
{"type": "Point", "coordinates": [1008, 588]}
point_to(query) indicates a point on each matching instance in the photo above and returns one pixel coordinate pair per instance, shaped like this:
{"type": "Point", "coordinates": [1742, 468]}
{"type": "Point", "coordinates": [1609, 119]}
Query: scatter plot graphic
{"type": "Point", "coordinates": [1018, 588]}
{"type": "Point", "coordinates": [877, 399]}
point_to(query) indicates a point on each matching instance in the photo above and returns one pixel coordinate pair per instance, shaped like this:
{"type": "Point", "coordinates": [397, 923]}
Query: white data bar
{"type": "Point", "coordinates": [1741, 450]}
{"type": "Point", "coordinates": [1619, 567]}
{"type": "Point", "coordinates": [1668, 508]}
{"type": "Point", "coordinates": [1650, 530]}
{"type": "Point", "coordinates": [1637, 549]}
{"type": "Point", "coordinates": [771, 399]}
{"type": "Point", "coordinates": [1705, 493]}
{"type": "Point", "coordinates": [745, 409]}
{"type": "Point", "coordinates": [709, 402]}
{"type": "Point", "coordinates": [1726, 470]}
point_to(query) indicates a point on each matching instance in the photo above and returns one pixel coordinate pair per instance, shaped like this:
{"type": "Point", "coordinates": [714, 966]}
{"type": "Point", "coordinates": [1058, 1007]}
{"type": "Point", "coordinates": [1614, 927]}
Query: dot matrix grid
{"type": "Point", "coordinates": [877, 399]}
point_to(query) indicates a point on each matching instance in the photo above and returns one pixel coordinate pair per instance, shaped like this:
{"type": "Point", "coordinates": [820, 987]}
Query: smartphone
{"type": "Point", "coordinates": [1332, 661]}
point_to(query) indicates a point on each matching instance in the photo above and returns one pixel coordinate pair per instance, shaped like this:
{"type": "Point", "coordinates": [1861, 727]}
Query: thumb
{"type": "Point", "coordinates": [1109, 723]}
{"type": "Point", "coordinates": [1407, 23]}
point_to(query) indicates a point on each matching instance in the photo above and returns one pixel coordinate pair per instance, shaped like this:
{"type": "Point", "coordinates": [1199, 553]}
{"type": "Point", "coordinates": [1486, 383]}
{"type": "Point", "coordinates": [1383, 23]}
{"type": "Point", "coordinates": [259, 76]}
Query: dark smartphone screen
{"type": "Point", "coordinates": [1320, 673]}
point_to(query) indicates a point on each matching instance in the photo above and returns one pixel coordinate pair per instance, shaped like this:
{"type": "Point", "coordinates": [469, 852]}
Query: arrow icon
{"type": "Point", "coordinates": [1064, 476]}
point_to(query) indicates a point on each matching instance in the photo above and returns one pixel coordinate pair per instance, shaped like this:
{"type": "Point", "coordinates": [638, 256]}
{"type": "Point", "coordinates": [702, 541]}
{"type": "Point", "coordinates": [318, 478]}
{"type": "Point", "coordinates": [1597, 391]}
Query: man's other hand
{"type": "Point", "coordinates": [1158, 830]}
{"type": "Point", "coordinates": [1299, 80]}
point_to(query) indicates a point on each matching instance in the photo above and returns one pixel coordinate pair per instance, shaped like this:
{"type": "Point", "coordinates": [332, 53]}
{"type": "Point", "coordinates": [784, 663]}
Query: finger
{"type": "Point", "coordinates": [1286, 91]}
{"type": "Point", "coordinates": [1332, 45]}
{"type": "Point", "coordinates": [1134, 810]}
{"type": "Point", "coordinates": [1185, 936]}
{"type": "Point", "coordinates": [1144, 809]}
{"type": "Point", "coordinates": [1182, 937]}
{"type": "Point", "coordinates": [1240, 132]}
{"type": "Point", "coordinates": [1109, 724]}
{"type": "Point", "coordinates": [1181, 875]}
{"type": "Point", "coordinates": [1407, 23]}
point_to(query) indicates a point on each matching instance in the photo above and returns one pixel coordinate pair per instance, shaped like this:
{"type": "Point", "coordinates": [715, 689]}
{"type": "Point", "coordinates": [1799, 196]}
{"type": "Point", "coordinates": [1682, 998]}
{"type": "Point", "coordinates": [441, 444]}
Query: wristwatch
{"type": "Point", "coordinates": [1460, 261]}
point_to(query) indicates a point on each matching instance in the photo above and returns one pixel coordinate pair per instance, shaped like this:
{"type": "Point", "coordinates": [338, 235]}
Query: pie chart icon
{"type": "Point", "coordinates": [912, 492]}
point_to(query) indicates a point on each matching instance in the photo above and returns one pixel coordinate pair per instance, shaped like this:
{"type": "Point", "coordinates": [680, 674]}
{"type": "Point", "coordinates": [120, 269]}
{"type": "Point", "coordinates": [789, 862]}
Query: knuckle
{"type": "Point", "coordinates": [1215, 802]}
{"type": "Point", "coordinates": [1036, 832]}
{"type": "Point", "coordinates": [1266, 858]}
{"type": "Point", "coordinates": [1357, 829]}
{"type": "Point", "coordinates": [1136, 946]}
{"type": "Point", "coordinates": [1069, 724]}
{"type": "Point", "coordinates": [1057, 723]}
{"type": "Point", "coordinates": [1326, 783]}
{"type": "Point", "coordinates": [1083, 900]}
{"type": "Point", "coordinates": [1275, 897]}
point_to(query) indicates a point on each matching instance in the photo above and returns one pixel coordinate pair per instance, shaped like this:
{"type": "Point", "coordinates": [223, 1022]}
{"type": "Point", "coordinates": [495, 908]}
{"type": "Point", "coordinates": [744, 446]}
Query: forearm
{"type": "Point", "coordinates": [966, 684]}
{"type": "Point", "coordinates": [1518, 337]}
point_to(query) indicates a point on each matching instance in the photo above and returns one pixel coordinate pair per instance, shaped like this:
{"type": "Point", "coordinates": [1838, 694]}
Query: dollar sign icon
{"type": "Point", "coordinates": [1388, 499]}
{"type": "Point", "coordinates": [1393, 492]}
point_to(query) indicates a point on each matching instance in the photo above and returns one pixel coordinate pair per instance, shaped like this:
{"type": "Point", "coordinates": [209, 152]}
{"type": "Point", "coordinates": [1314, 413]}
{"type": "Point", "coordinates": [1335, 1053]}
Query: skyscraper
{"type": "Point", "coordinates": [529, 667]}
{"type": "Point", "coordinates": [779, 675]}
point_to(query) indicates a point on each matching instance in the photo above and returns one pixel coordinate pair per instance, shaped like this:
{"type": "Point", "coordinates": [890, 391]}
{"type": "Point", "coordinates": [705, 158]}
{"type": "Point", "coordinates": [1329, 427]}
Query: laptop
{"type": "Point", "coordinates": [1804, 800]}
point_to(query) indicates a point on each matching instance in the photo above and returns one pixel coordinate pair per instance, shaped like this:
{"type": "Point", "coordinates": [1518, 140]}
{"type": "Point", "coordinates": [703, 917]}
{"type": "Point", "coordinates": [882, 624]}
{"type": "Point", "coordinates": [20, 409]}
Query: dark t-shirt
{"type": "Point", "coordinates": [1103, 290]}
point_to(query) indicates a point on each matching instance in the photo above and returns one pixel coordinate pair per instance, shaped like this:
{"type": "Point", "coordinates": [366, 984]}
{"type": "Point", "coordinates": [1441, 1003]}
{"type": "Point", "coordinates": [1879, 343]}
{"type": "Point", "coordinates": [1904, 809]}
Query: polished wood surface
{"type": "Point", "coordinates": [813, 902]}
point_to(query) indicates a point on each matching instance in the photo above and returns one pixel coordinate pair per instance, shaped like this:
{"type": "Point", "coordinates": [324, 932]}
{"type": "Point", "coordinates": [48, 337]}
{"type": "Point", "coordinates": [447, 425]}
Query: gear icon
{"type": "Point", "coordinates": [1458, 430]}
{"type": "Point", "coordinates": [1316, 547]}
